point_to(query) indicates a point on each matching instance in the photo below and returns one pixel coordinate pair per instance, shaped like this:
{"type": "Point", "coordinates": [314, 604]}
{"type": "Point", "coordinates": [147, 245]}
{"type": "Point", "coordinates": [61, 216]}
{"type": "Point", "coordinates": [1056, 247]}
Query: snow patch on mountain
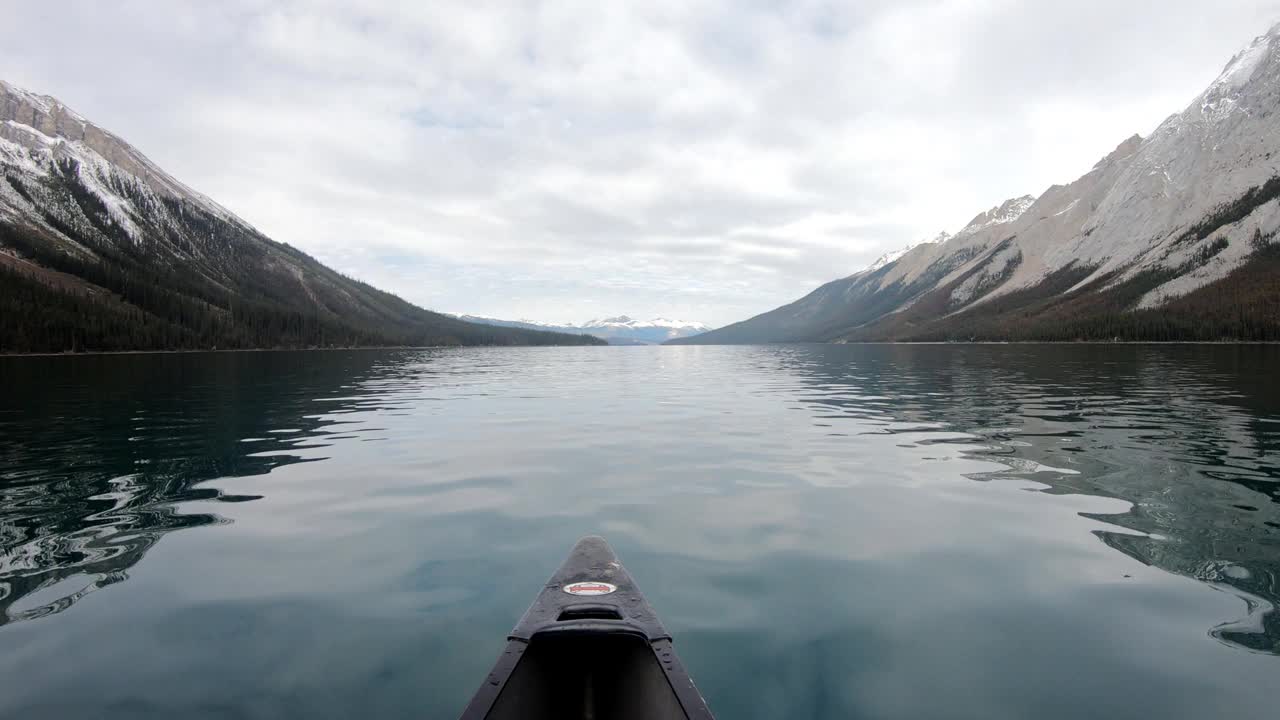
{"type": "Point", "coordinates": [1241, 68]}
{"type": "Point", "coordinates": [891, 257]}
{"type": "Point", "coordinates": [1002, 214]}
{"type": "Point", "coordinates": [38, 134]}
{"type": "Point", "coordinates": [619, 329]}
{"type": "Point", "coordinates": [623, 321]}
{"type": "Point", "coordinates": [1182, 208]}
{"type": "Point", "coordinates": [1125, 216]}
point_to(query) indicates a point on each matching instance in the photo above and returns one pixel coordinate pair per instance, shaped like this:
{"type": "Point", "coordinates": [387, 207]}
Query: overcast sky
{"type": "Point", "coordinates": [557, 161]}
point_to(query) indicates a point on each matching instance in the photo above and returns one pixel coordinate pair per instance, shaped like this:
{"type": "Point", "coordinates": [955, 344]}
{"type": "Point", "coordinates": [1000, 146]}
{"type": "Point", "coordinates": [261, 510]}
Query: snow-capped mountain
{"type": "Point", "coordinates": [38, 133]}
{"type": "Point", "coordinates": [623, 322]}
{"type": "Point", "coordinates": [100, 249]}
{"type": "Point", "coordinates": [620, 330]}
{"type": "Point", "coordinates": [893, 256]}
{"type": "Point", "coordinates": [1168, 237]}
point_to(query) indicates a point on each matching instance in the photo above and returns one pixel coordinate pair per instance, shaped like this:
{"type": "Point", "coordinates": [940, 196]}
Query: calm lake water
{"type": "Point", "coordinates": [829, 531]}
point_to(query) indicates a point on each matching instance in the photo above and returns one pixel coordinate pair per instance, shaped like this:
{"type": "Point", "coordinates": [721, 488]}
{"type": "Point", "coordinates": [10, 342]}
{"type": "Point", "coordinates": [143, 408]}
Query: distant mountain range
{"type": "Point", "coordinates": [1171, 237]}
{"type": "Point", "coordinates": [100, 249]}
{"type": "Point", "coordinates": [620, 330]}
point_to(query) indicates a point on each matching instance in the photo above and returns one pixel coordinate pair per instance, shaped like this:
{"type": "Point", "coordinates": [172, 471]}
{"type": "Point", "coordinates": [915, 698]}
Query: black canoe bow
{"type": "Point", "coordinates": [589, 648]}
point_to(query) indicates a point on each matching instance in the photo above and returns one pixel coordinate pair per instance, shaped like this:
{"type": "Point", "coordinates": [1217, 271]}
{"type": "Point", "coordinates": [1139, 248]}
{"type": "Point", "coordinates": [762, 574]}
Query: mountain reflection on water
{"type": "Point", "coordinates": [99, 451]}
{"type": "Point", "coordinates": [102, 457]}
{"type": "Point", "coordinates": [1189, 435]}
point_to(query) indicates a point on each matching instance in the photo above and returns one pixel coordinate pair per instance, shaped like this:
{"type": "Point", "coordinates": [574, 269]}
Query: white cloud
{"type": "Point", "coordinates": [690, 158]}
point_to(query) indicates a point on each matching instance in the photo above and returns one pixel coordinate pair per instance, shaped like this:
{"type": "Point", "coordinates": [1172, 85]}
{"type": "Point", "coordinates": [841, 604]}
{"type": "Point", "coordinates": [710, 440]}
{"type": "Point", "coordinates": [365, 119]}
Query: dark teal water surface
{"type": "Point", "coordinates": [829, 531]}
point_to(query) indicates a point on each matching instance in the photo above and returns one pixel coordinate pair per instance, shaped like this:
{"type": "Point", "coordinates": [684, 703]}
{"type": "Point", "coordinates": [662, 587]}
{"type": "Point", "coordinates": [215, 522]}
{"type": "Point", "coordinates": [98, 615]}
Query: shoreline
{"type": "Point", "coordinates": [1159, 343]}
{"type": "Point", "coordinates": [1064, 342]}
{"type": "Point", "coordinates": [1060, 343]}
{"type": "Point", "coordinates": [99, 353]}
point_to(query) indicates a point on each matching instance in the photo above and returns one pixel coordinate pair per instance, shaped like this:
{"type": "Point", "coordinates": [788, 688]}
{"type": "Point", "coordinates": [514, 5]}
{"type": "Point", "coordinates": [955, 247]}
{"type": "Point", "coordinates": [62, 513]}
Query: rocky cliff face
{"type": "Point", "coordinates": [1129, 249]}
{"type": "Point", "coordinates": [41, 125]}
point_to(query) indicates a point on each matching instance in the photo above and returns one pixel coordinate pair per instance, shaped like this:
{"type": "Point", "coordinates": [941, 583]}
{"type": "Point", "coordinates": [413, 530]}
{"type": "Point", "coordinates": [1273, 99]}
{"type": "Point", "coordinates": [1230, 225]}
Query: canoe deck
{"type": "Point", "coordinates": [590, 647]}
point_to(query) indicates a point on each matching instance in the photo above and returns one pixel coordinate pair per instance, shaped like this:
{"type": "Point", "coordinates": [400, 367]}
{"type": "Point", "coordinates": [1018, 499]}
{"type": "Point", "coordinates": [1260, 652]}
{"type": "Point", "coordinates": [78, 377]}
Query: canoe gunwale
{"type": "Point", "coordinates": [556, 615]}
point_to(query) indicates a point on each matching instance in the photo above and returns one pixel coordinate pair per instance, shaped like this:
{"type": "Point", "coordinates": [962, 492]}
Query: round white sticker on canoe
{"type": "Point", "coordinates": [590, 587]}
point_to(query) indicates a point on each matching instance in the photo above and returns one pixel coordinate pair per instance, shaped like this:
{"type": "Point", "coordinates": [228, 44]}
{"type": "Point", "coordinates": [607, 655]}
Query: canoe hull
{"type": "Point", "coordinates": [590, 646]}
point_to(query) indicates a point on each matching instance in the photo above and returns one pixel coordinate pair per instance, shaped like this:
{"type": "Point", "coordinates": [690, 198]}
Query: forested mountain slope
{"type": "Point", "coordinates": [102, 250]}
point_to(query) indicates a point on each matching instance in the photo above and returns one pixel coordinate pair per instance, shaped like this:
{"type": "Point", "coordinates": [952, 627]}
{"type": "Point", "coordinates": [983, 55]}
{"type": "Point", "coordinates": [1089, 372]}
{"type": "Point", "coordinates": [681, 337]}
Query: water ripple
{"type": "Point", "coordinates": [729, 469]}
